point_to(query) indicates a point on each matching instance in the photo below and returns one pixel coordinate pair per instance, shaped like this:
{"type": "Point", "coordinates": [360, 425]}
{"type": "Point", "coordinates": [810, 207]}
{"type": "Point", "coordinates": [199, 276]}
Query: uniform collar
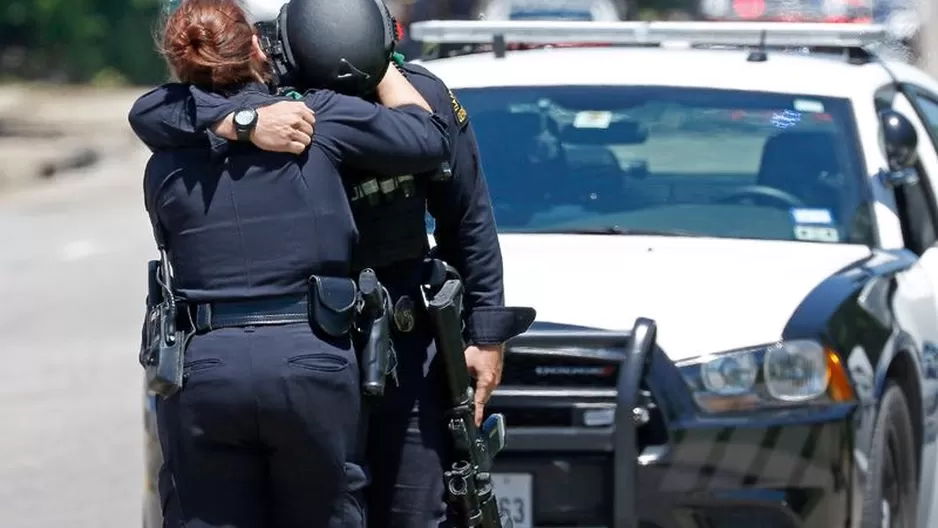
{"type": "Point", "coordinates": [252, 87]}
{"type": "Point", "coordinates": [255, 87]}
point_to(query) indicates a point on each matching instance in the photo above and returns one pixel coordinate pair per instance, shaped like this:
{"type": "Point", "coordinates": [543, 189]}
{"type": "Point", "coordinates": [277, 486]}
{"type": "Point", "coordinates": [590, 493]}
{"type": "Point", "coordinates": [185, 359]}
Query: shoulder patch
{"type": "Point", "coordinates": [461, 116]}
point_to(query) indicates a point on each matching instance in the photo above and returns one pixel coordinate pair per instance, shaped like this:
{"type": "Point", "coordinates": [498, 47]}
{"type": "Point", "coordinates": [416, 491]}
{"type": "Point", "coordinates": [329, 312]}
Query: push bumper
{"type": "Point", "coordinates": [635, 452]}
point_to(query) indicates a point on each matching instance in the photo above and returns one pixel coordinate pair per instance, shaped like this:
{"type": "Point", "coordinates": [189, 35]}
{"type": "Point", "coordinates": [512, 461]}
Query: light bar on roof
{"type": "Point", "coordinates": [709, 33]}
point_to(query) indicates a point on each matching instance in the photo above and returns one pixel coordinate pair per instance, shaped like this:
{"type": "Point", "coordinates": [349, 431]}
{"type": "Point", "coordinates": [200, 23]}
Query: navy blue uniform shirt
{"type": "Point", "coordinates": [241, 222]}
{"type": "Point", "coordinates": [173, 115]}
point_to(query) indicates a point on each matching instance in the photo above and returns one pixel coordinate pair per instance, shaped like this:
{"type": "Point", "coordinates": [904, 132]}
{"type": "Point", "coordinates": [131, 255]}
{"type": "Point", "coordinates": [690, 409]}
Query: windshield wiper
{"type": "Point", "coordinates": [616, 230]}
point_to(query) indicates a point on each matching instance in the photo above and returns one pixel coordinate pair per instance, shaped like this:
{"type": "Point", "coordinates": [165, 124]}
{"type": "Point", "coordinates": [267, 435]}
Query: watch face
{"type": "Point", "coordinates": [244, 117]}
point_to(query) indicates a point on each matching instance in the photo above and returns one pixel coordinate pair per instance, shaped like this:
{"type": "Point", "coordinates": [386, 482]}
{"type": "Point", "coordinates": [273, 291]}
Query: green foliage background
{"type": "Point", "coordinates": [100, 41]}
{"type": "Point", "coordinates": [109, 42]}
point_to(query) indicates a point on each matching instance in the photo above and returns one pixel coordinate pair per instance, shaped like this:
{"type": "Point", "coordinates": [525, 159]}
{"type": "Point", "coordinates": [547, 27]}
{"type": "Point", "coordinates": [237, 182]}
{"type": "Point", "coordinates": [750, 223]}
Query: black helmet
{"type": "Point", "coordinates": [341, 45]}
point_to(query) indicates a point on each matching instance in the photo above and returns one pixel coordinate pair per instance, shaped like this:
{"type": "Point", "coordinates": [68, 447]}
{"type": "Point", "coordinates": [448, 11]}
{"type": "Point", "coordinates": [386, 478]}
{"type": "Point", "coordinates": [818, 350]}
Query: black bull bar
{"type": "Point", "coordinates": [632, 406]}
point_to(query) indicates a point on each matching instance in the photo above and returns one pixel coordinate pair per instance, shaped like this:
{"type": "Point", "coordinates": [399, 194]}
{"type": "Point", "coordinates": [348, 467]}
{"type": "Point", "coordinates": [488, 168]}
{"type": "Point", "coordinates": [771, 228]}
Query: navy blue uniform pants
{"type": "Point", "coordinates": [263, 433]}
{"type": "Point", "coordinates": [408, 442]}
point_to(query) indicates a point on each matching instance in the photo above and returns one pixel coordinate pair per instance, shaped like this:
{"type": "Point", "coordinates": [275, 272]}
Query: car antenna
{"type": "Point", "coordinates": [759, 54]}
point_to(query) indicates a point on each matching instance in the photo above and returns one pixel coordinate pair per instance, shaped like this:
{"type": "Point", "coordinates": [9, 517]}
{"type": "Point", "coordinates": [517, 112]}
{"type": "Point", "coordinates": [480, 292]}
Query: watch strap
{"type": "Point", "coordinates": [243, 132]}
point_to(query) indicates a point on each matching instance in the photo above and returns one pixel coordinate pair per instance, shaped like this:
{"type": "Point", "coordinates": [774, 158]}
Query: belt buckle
{"type": "Point", "coordinates": [404, 314]}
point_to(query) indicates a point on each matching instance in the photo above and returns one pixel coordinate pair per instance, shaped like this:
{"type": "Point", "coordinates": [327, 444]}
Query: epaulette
{"type": "Point", "coordinates": [462, 117]}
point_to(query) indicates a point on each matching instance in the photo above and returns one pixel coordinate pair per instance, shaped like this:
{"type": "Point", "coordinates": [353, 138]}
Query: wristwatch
{"type": "Point", "coordinates": [244, 119]}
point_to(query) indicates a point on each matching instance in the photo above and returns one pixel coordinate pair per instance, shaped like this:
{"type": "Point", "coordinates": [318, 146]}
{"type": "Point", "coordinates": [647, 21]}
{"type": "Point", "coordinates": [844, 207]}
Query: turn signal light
{"type": "Point", "coordinates": [838, 388]}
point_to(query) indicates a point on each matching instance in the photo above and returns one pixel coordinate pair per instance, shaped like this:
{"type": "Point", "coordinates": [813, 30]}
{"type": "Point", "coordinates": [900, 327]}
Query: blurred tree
{"type": "Point", "coordinates": [77, 40]}
{"type": "Point", "coordinates": [112, 41]}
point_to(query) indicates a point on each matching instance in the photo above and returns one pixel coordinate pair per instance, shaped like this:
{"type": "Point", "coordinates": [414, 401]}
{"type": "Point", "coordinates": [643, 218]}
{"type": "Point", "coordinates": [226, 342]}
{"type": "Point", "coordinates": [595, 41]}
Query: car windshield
{"type": "Point", "coordinates": [671, 161]}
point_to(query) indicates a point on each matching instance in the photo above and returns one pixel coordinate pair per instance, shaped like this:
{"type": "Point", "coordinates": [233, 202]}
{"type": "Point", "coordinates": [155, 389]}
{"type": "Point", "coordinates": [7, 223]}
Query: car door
{"type": "Point", "coordinates": [921, 223]}
{"type": "Point", "coordinates": [920, 214]}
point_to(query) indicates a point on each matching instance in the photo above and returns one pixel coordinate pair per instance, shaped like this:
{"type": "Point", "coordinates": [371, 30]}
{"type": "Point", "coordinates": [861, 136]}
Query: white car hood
{"type": "Point", "coordinates": [707, 295]}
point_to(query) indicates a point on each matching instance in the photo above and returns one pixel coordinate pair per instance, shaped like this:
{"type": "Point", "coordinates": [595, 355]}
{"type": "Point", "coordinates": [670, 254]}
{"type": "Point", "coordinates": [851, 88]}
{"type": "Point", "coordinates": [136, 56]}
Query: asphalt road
{"type": "Point", "coordinates": [72, 282]}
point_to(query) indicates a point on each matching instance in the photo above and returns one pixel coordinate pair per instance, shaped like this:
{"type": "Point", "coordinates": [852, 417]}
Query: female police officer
{"type": "Point", "coordinates": [262, 433]}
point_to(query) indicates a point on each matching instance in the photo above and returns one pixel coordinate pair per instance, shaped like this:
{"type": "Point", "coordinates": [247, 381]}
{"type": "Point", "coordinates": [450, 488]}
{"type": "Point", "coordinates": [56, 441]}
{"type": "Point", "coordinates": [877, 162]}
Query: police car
{"type": "Point", "coordinates": [763, 194]}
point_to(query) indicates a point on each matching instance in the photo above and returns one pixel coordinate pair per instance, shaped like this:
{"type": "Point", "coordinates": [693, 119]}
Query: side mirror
{"type": "Point", "coordinates": [899, 139]}
{"type": "Point", "coordinates": [900, 142]}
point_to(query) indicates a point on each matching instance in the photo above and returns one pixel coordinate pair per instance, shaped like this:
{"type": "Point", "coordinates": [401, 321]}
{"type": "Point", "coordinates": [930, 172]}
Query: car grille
{"type": "Point", "coordinates": [558, 396]}
{"type": "Point", "coordinates": [556, 370]}
{"type": "Point", "coordinates": [537, 417]}
{"type": "Point", "coordinates": [652, 433]}
{"type": "Point", "coordinates": [573, 490]}
{"type": "Point", "coordinates": [562, 382]}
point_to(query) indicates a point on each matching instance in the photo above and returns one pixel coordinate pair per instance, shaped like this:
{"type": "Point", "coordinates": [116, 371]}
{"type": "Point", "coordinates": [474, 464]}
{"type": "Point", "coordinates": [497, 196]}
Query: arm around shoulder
{"type": "Point", "coordinates": [401, 140]}
{"type": "Point", "coordinates": [177, 115]}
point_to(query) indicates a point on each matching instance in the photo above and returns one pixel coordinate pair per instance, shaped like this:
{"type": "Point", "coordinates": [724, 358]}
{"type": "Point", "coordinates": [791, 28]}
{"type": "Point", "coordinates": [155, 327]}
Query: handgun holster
{"type": "Point", "coordinates": [376, 351]}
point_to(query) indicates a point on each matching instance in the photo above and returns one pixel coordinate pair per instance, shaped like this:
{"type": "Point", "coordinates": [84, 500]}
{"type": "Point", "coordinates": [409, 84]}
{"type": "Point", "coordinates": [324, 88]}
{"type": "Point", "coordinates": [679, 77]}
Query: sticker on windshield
{"type": "Point", "coordinates": [814, 233]}
{"type": "Point", "coordinates": [811, 216]}
{"type": "Point", "coordinates": [592, 120]}
{"type": "Point", "coordinates": [810, 106]}
{"type": "Point", "coordinates": [786, 118]}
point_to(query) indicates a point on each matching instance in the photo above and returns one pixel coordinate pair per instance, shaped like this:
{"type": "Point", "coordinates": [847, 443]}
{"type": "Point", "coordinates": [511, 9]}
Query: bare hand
{"type": "Point", "coordinates": [485, 365]}
{"type": "Point", "coordinates": [286, 126]}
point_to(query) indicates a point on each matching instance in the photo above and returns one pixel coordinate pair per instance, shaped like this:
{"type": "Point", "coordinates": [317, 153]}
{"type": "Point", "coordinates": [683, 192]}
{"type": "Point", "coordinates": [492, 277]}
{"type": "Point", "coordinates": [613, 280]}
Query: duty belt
{"type": "Point", "coordinates": [407, 308]}
{"type": "Point", "coordinates": [255, 312]}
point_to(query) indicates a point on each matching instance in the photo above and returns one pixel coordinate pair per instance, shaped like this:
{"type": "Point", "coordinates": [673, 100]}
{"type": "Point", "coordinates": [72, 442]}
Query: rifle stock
{"type": "Point", "coordinates": [468, 483]}
{"type": "Point", "coordinates": [445, 310]}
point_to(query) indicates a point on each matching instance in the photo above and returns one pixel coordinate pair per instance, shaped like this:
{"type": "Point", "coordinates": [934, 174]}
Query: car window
{"type": "Point", "coordinates": [916, 202]}
{"type": "Point", "coordinates": [929, 111]}
{"type": "Point", "coordinates": [697, 161]}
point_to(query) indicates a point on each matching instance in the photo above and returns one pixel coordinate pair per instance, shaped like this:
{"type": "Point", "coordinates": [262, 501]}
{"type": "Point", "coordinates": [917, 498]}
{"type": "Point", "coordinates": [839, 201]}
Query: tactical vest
{"type": "Point", "coordinates": [390, 213]}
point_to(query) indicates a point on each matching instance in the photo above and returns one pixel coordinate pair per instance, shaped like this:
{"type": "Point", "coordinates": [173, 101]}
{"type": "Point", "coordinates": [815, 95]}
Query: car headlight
{"type": "Point", "coordinates": [798, 372]}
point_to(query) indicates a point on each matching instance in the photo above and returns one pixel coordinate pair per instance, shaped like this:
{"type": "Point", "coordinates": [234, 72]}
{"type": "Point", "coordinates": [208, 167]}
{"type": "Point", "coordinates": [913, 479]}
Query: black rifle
{"type": "Point", "coordinates": [374, 327]}
{"type": "Point", "coordinates": [163, 351]}
{"type": "Point", "coordinates": [469, 480]}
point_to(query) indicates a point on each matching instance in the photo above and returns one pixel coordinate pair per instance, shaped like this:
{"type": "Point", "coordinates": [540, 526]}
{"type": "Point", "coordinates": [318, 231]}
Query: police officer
{"type": "Point", "coordinates": [264, 431]}
{"type": "Point", "coordinates": [408, 447]}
